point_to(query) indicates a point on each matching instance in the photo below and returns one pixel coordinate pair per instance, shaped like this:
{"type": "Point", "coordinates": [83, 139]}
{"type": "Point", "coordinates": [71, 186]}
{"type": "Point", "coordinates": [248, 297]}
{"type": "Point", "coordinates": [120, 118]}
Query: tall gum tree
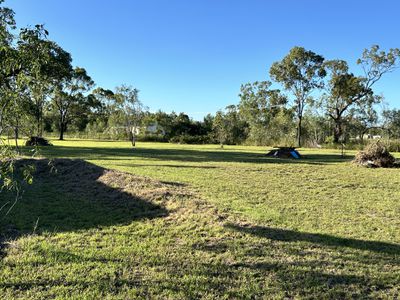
{"type": "Point", "coordinates": [300, 72]}
{"type": "Point", "coordinates": [346, 93]}
{"type": "Point", "coordinates": [70, 97]}
{"type": "Point", "coordinates": [259, 105]}
{"type": "Point", "coordinates": [49, 64]}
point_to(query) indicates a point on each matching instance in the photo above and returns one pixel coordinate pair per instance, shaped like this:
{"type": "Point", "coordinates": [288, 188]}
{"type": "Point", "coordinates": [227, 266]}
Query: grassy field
{"type": "Point", "coordinates": [186, 222]}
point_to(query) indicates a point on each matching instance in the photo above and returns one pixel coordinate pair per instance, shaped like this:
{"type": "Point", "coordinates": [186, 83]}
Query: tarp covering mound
{"type": "Point", "coordinates": [284, 152]}
{"type": "Point", "coordinates": [37, 141]}
{"type": "Point", "coordinates": [375, 155]}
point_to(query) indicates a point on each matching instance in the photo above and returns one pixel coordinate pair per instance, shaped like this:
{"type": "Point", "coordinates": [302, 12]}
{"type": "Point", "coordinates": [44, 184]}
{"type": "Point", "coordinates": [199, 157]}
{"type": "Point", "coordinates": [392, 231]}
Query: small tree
{"type": "Point", "coordinates": [391, 119]}
{"type": "Point", "coordinates": [260, 106]}
{"type": "Point", "coordinates": [130, 110]}
{"type": "Point", "coordinates": [220, 127]}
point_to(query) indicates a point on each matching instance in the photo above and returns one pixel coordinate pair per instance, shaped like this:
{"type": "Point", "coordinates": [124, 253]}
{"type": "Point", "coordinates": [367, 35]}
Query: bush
{"type": "Point", "coordinates": [375, 155]}
{"type": "Point", "coordinates": [37, 141]}
{"type": "Point", "coordinates": [152, 138]}
{"type": "Point", "coordinates": [393, 145]}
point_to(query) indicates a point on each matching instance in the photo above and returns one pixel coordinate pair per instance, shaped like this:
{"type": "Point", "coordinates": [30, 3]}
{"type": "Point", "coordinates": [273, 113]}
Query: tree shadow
{"type": "Point", "coordinates": [306, 264]}
{"type": "Point", "coordinates": [169, 166]}
{"type": "Point", "coordinates": [286, 235]}
{"type": "Point", "coordinates": [70, 195]}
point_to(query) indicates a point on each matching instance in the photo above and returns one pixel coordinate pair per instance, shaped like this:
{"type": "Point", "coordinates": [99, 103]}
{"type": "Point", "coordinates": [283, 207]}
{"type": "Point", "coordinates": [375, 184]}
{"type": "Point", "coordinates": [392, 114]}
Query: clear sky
{"type": "Point", "coordinates": [193, 55]}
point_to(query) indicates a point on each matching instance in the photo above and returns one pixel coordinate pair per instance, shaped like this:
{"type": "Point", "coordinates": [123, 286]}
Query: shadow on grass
{"type": "Point", "coordinates": [286, 235]}
{"type": "Point", "coordinates": [168, 166]}
{"type": "Point", "coordinates": [78, 195]}
{"type": "Point", "coordinates": [320, 266]}
{"type": "Point", "coordinates": [184, 155]}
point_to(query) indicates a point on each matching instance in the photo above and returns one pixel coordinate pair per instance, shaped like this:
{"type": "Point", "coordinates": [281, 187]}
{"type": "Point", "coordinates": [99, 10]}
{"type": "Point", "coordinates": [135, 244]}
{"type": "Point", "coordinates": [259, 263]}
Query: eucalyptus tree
{"type": "Point", "coordinates": [346, 93]}
{"type": "Point", "coordinates": [12, 66]}
{"type": "Point", "coordinates": [221, 128]}
{"type": "Point", "coordinates": [229, 127]}
{"type": "Point", "coordinates": [130, 110]}
{"type": "Point", "coordinates": [104, 100]}
{"type": "Point", "coordinates": [300, 72]}
{"type": "Point", "coordinates": [9, 61]}
{"type": "Point", "coordinates": [340, 91]}
{"type": "Point", "coordinates": [364, 119]}
{"type": "Point", "coordinates": [49, 64]}
{"type": "Point", "coordinates": [391, 122]}
{"type": "Point", "coordinates": [70, 97]}
{"type": "Point", "coordinates": [259, 105]}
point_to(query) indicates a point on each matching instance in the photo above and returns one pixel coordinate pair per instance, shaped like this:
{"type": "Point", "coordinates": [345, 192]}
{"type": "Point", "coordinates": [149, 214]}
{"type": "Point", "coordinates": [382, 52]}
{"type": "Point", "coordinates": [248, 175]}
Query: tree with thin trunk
{"type": "Point", "coordinates": [130, 110]}
{"type": "Point", "coordinates": [300, 72]}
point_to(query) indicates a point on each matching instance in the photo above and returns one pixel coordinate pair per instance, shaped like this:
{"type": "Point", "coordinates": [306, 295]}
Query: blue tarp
{"type": "Point", "coordinates": [294, 154]}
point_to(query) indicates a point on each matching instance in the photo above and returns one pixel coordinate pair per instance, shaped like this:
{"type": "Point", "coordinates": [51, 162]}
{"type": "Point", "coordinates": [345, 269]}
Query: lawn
{"type": "Point", "coordinates": [185, 221]}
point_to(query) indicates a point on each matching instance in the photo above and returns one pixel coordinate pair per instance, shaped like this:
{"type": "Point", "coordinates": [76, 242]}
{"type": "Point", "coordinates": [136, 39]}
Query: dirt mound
{"type": "Point", "coordinates": [37, 141]}
{"type": "Point", "coordinates": [284, 152]}
{"type": "Point", "coordinates": [375, 155]}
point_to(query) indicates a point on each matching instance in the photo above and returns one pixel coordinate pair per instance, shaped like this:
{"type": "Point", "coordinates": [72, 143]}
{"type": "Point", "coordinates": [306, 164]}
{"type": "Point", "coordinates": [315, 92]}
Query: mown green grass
{"type": "Point", "coordinates": [246, 226]}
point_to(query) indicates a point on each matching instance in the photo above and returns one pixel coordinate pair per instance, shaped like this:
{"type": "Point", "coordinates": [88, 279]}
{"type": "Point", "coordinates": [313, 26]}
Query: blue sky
{"type": "Point", "coordinates": [193, 55]}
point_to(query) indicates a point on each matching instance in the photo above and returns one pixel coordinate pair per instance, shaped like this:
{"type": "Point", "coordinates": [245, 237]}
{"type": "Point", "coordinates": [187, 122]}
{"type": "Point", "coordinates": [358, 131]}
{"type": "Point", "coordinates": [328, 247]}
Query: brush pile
{"type": "Point", "coordinates": [375, 155]}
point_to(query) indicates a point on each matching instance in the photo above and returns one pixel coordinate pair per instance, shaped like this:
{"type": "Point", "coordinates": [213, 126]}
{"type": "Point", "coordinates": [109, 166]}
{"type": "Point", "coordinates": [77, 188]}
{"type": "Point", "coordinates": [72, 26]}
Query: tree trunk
{"type": "Point", "coordinates": [61, 138]}
{"type": "Point", "coordinates": [362, 133]}
{"type": "Point", "coordinates": [16, 131]}
{"type": "Point", "coordinates": [133, 137]}
{"type": "Point", "coordinates": [299, 131]}
{"type": "Point", "coordinates": [337, 131]}
{"type": "Point", "coordinates": [38, 124]}
{"type": "Point", "coordinates": [62, 130]}
{"type": "Point", "coordinates": [16, 135]}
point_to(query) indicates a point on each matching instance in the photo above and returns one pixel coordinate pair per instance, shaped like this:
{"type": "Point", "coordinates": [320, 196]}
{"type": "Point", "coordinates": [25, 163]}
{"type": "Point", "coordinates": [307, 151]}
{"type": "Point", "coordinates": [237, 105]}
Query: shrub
{"type": "Point", "coordinates": [37, 141]}
{"type": "Point", "coordinates": [152, 138]}
{"type": "Point", "coordinates": [393, 145]}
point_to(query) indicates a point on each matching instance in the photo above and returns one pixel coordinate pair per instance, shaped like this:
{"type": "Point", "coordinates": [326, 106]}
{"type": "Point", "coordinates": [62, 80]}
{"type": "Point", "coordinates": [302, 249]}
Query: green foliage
{"type": "Point", "coordinates": [300, 72]}
{"type": "Point", "coordinates": [392, 122]}
{"type": "Point", "coordinates": [189, 139]}
{"type": "Point", "coordinates": [228, 127]}
{"type": "Point", "coordinates": [269, 121]}
{"type": "Point", "coordinates": [69, 99]}
{"type": "Point", "coordinates": [347, 93]}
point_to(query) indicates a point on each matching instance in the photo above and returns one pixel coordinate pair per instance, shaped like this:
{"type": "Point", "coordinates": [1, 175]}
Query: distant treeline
{"type": "Point", "coordinates": [308, 100]}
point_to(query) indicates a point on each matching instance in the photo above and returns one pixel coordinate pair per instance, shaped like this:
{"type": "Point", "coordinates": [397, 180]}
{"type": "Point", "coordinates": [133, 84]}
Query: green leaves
{"type": "Point", "coordinates": [376, 62]}
{"type": "Point", "coordinates": [300, 72]}
{"type": "Point", "coordinates": [300, 69]}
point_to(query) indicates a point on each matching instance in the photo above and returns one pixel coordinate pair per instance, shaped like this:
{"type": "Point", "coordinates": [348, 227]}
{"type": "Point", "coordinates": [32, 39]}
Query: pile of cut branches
{"type": "Point", "coordinates": [375, 155]}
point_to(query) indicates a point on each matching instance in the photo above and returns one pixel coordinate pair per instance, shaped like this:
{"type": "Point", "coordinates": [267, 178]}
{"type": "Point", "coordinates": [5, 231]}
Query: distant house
{"type": "Point", "coordinates": [372, 137]}
{"type": "Point", "coordinates": [151, 128]}
{"type": "Point", "coordinates": [369, 137]}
